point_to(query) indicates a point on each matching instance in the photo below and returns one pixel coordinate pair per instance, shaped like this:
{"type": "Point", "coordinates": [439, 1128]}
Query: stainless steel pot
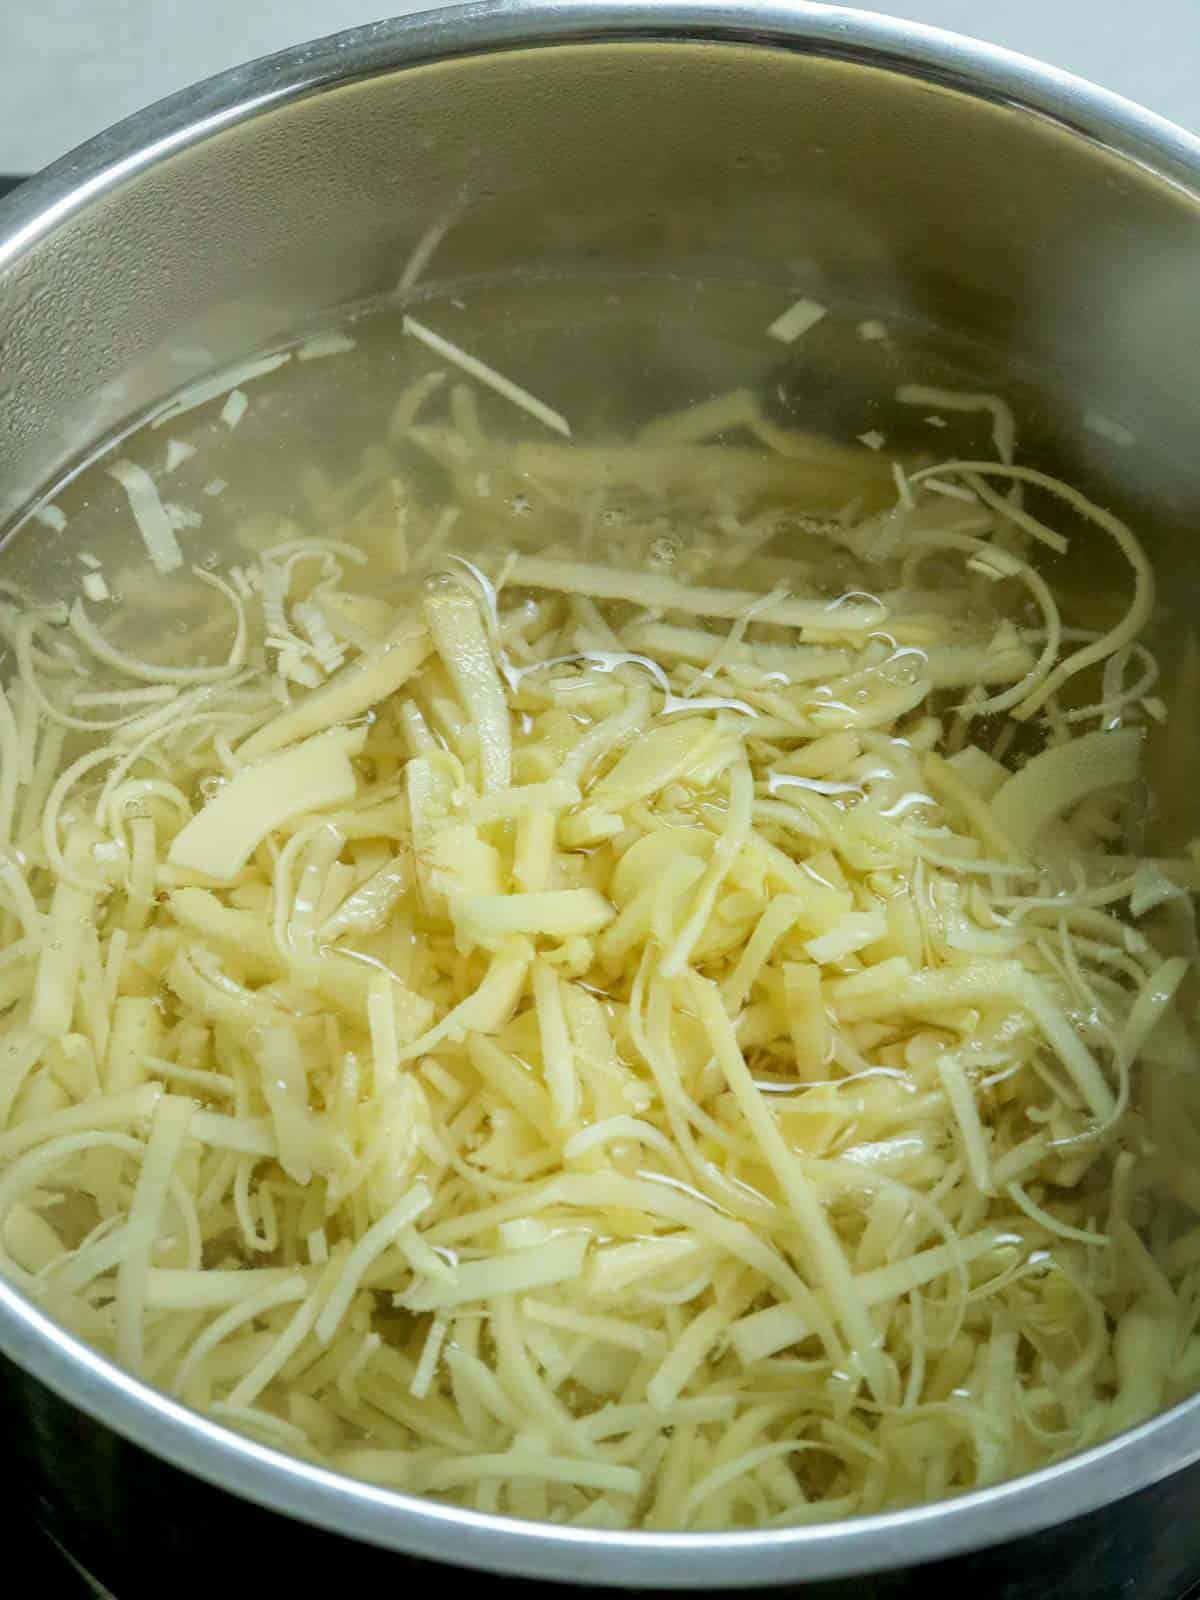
{"type": "Point", "coordinates": [1052, 225]}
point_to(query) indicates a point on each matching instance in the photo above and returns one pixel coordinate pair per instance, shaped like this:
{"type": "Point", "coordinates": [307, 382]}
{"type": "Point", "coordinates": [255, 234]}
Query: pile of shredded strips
{"type": "Point", "coordinates": [651, 1020]}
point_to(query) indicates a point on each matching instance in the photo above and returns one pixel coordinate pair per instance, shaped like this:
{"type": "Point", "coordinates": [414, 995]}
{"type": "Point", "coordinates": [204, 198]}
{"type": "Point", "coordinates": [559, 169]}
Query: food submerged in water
{"type": "Point", "coordinates": [618, 985]}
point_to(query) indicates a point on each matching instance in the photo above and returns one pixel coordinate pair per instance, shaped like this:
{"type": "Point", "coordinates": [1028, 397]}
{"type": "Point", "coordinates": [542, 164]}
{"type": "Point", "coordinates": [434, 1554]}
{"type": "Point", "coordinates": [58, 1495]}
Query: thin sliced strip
{"type": "Point", "coordinates": [290, 1289]}
{"type": "Point", "coordinates": [488, 376]}
{"type": "Point", "coordinates": [1057, 779]}
{"type": "Point", "coordinates": [375, 1240]}
{"type": "Point", "coordinates": [825, 1252]}
{"type": "Point", "coordinates": [153, 523]}
{"type": "Point", "coordinates": [669, 594]}
{"type": "Point", "coordinates": [213, 388]}
{"type": "Point", "coordinates": [168, 1129]}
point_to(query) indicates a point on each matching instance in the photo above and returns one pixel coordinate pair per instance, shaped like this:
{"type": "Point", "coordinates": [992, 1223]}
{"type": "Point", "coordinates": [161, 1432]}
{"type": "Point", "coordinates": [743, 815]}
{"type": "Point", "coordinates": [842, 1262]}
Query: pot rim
{"type": "Point", "coordinates": [1023, 1506]}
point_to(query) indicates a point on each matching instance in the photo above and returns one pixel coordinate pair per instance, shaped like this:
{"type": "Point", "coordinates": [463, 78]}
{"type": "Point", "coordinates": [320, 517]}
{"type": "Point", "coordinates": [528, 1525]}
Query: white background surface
{"type": "Point", "coordinates": [68, 68]}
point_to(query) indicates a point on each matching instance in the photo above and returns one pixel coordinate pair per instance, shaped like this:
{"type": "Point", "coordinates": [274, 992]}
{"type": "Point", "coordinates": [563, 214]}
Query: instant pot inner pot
{"type": "Point", "coordinates": [999, 247]}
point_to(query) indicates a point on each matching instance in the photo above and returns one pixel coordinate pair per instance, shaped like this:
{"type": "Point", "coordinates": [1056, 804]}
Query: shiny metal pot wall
{"type": "Point", "coordinates": [1055, 226]}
